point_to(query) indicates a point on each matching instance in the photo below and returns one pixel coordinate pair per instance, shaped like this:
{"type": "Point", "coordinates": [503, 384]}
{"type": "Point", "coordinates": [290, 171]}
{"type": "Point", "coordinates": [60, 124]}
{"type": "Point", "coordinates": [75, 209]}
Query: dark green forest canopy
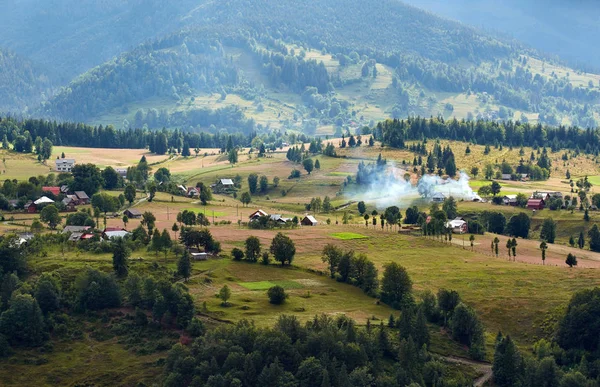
{"type": "Point", "coordinates": [395, 132]}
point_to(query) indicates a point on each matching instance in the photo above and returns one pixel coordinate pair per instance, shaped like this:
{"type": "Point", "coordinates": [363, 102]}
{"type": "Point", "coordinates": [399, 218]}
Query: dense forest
{"type": "Point", "coordinates": [165, 68]}
{"type": "Point", "coordinates": [395, 132]}
{"type": "Point", "coordinates": [22, 85]}
{"type": "Point", "coordinates": [73, 134]}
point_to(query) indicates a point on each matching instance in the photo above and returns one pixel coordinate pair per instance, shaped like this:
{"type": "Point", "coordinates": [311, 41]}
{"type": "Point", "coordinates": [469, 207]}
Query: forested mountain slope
{"type": "Point", "coordinates": [307, 65]}
{"type": "Point", "coordinates": [22, 85]}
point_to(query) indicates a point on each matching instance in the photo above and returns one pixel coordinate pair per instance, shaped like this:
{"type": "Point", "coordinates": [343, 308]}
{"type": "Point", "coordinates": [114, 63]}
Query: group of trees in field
{"type": "Point", "coordinates": [355, 269]}
{"type": "Point", "coordinates": [570, 359]}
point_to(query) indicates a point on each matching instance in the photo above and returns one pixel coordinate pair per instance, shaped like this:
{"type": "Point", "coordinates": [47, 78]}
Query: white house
{"type": "Point", "coordinates": [458, 226]}
{"type": "Point", "coordinates": [64, 165]}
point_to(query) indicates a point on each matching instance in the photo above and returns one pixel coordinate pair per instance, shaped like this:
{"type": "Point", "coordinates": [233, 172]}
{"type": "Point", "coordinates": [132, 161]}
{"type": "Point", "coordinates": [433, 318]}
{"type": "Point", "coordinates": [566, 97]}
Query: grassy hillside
{"type": "Point", "coordinates": [364, 69]}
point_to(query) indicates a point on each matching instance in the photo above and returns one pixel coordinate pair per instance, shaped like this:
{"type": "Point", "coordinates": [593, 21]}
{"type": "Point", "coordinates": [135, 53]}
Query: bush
{"type": "Point", "coordinates": [237, 254]}
{"type": "Point", "coordinates": [276, 295]}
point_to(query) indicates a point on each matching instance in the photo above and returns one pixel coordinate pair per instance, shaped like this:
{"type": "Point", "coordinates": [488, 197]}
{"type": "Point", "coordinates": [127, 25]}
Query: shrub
{"type": "Point", "coordinates": [276, 295]}
{"type": "Point", "coordinates": [237, 254]}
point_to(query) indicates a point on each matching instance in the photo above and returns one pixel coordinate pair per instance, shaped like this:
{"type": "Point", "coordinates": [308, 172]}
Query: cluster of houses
{"type": "Point", "coordinates": [308, 220]}
{"type": "Point", "coordinates": [78, 233]}
{"type": "Point", "coordinates": [70, 201]}
{"type": "Point", "coordinates": [537, 200]}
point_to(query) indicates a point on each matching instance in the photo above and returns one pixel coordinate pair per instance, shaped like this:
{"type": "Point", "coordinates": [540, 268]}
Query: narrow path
{"type": "Point", "coordinates": [485, 368]}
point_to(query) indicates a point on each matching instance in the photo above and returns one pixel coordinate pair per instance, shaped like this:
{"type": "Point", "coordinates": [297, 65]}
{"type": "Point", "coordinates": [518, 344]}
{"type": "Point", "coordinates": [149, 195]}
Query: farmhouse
{"type": "Point", "coordinates": [122, 172]}
{"type": "Point", "coordinates": [309, 221]}
{"type": "Point", "coordinates": [438, 197]}
{"type": "Point", "coordinates": [224, 185]}
{"type": "Point", "coordinates": [458, 226]}
{"type": "Point", "coordinates": [257, 214]}
{"type": "Point", "coordinates": [193, 192]}
{"type": "Point", "coordinates": [114, 232]}
{"type": "Point", "coordinates": [509, 200]}
{"type": "Point", "coordinates": [43, 200]}
{"type": "Point", "coordinates": [30, 207]}
{"type": "Point", "coordinates": [133, 213]}
{"type": "Point", "coordinates": [53, 190]}
{"type": "Point", "coordinates": [281, 219]}
{"type": "Point", "coordinates": [75, 236]}
{"type": "Point", "coordinates": [64, 165]}
{"type": "Point", "coordinates": [536, 204]}
{"type": "Point", "coordinates": [546, 195]}
{"type": "Point", "coordinates": [82, 197]}
{"type": "Point", "coordinates": [74, 229]}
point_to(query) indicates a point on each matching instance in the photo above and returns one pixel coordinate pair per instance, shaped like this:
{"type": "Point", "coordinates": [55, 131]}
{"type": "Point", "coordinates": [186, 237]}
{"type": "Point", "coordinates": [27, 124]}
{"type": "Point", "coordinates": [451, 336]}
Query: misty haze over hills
{"type": "Point", "coordinates": [567, 29]}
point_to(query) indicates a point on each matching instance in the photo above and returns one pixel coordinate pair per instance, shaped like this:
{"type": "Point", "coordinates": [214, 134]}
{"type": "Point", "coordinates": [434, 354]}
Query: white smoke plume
{"type": "Point", "coordinates": [391, 189]}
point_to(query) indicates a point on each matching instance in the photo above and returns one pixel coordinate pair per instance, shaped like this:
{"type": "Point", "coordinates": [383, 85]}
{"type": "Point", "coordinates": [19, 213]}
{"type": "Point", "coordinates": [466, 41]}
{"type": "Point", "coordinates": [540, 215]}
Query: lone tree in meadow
{"type": "Point", "coordinates": [509, 247]}
{"type": "Point", "coordinates": [543, 247]}
{"type": "Point", "coordinates": [571, 260]}
{"type": "Point", "coordinates": [308, 165]}
{"type": "Point", "coordinates": [245, 198]}
{"type": "Point", "coordinates": [276, 295]}
{"type": "Point", "coordinates": [496, 242]}
{"type": "Point", "coordinates": [252, 248]}
{"type": "Point", "coordinates": [283, 249]}
{"type": "Point", "coordinates": [225, 295]}
{"type": "Point", "coordinates": [472, 240]}
{"type": "Point", "coordinates": [514, 247]}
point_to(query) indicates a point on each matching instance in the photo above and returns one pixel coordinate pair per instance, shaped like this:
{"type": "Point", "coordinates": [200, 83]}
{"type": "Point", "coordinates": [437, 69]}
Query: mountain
{"type": "Point", "coordinates": [568, 30]}
{"type": "Point", "coordinates": [317, 67]}
{"type": "Point", "coordinates": [71, 36]}
{"type": "Point", "coordinates": [22, 84]}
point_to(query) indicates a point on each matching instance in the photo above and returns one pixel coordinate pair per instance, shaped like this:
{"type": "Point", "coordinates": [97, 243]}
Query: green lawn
{"type": "Point", "coordinates": [346, 236]}
{"type": "Point", "coordinates": [259, 285]}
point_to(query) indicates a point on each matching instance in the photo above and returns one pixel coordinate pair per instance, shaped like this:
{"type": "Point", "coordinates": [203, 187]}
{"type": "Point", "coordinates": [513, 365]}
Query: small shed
{"type": "Point", "coordinates": [199, 256]}
{"type": "Point", "coordinates": [536, 204]}
{"type": "Point", "coordinates": [309, 220]}
{"type": "Point", "coordinates": [82, 196]}
{"type": "Point", "coordinates": [133, 213]}
{"type": "Point", "coordinates": [438, 197]}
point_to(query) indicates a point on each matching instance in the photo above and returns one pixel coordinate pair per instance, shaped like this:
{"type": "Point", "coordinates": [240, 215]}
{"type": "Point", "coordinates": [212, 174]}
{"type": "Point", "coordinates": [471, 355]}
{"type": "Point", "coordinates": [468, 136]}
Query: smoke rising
{"type": "Point", "coordinates": [392, 189]}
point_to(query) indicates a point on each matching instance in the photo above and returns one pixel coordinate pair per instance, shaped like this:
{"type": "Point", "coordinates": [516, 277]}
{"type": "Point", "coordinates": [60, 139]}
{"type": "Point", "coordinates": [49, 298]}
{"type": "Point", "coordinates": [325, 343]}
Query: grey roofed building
{"type": "Point", "coordinates": [133, 213]}
{"type": "Point", "coordinates": [72, 229]}
{"type": "Point", "coordinates": [309, 220]}
{"type": "Point", "coordinates": [76, 236]}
